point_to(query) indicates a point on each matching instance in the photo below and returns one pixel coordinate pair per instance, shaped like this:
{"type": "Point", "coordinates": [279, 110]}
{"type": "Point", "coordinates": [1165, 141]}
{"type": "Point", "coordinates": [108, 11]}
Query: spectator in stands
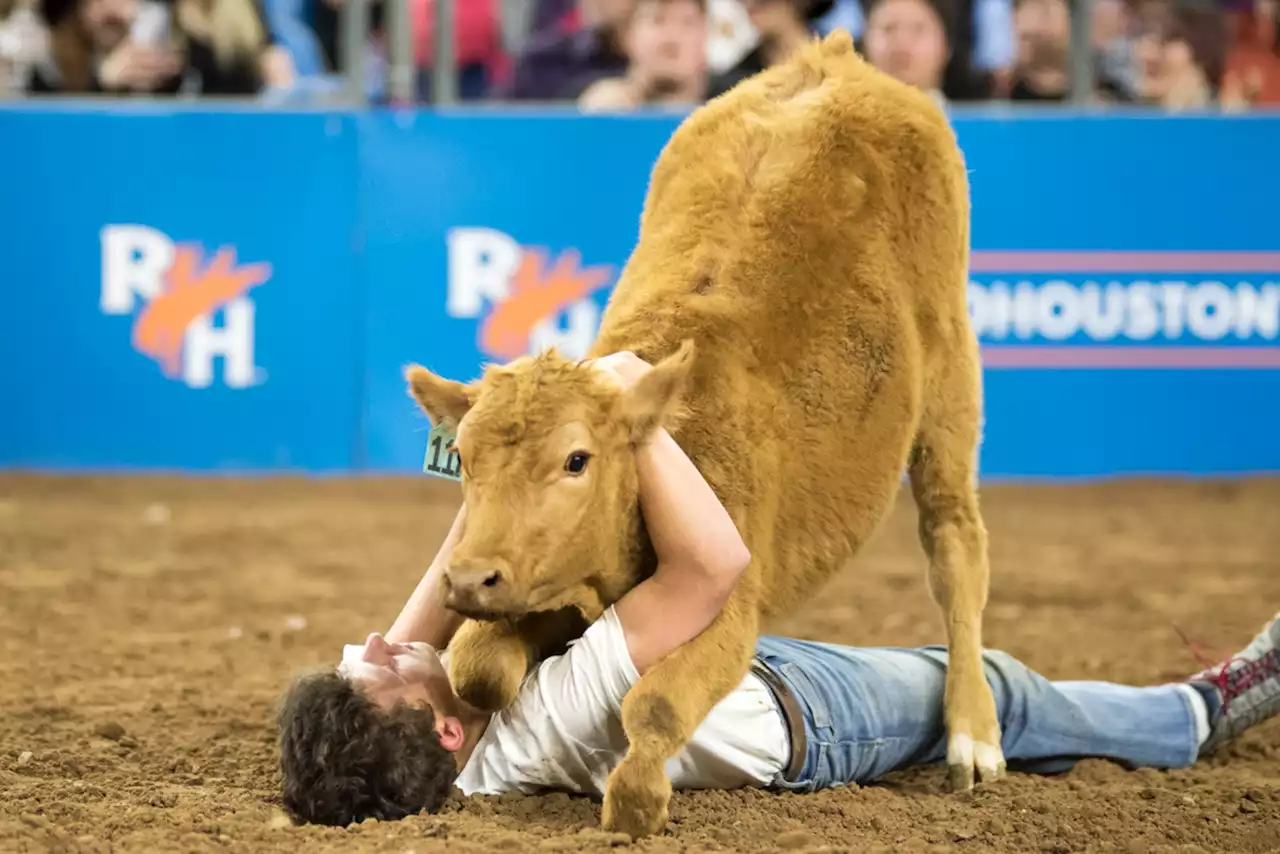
{"type": "Point", "coordinates": [730, 35]}
{"type": "Point", "coordinates": [553, 16]}
{"type": "Point", "coordinates": [319, 20]}
{"type": "Point", "coordinates": [216, 47]}
{"type": "Point", "coordinates": [92, 48]}
{"type": "Point", "coordinates": [1182, 57]}
{"type": "Point", "coordinates": [232, 48]}
{"type": "Point", "coordinates": [477, 47]}
{"type": "Point", "coordinates": [981, 40]}
{"type": "Point", "coordinates": [309, 31]}
{"type": "Point", "coordinates": [783, 25]}
{"type": "Point", "coordinates": [913, 35]}
{"type": "Point", "coordinates": [989, 48]}
{"type": "Point", "coordinates": [1114, 30]}
{"type": "Point", "coordinates": [23, 43]}
{"type": "Point", "coordinates": [908, 40]}
{"type": "Point", "coordinates": [559, 64]}
{"type": "Point", "coordinates": [1253, 65]}
{"type": "Point", "coordinates": [666, 45]}
{"type": "Point", "coordinates": [1043, 68]}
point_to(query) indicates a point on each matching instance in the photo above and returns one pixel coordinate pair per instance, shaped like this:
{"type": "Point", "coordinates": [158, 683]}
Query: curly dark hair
{"type": "Point", "coordinates": [344, 759]}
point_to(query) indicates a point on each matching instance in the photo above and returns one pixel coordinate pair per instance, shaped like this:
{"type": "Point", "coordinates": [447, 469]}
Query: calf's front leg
{"type": "Point", "coordinates": [662, 710]}
{"type": "Point", "coordinates": [487, 663]}
{"type": "Point", "coordinates": [489, 660]}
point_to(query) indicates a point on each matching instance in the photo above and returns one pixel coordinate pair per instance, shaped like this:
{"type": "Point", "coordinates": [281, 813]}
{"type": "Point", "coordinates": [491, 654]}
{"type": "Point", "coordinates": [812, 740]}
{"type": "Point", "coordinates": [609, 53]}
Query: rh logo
{"type": "Point", "coordinates": [524, 300]}
{"type": "Point", "coordinates": [183, 292]}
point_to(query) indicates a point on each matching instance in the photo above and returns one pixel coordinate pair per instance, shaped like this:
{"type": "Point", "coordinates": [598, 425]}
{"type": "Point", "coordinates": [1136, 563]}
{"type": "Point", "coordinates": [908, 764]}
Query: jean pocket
{"type": "Point", "coordinates": [811, 698]}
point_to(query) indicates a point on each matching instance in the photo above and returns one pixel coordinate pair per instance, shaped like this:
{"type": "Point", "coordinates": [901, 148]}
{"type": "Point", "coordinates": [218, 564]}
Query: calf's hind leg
{"type": "Point", "coordinates": [943, 482]}
{"type": "Point", "coordinates": [662, 710]}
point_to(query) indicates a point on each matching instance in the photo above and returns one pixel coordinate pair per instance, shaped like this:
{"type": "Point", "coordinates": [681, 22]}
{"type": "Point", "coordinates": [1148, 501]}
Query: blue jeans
{"type": "Point", "coordinates": [870, 711]}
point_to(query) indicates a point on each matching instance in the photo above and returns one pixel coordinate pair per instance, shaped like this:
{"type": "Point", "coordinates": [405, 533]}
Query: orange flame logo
{"type": "Point", "coordinates": [189, 293]}
{"type": "Point", "coordinates": [537, 292]}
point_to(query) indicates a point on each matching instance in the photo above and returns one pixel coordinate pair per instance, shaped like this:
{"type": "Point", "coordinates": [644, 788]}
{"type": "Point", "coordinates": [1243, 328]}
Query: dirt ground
{"type": "Point", "coordinates": [148, 625]}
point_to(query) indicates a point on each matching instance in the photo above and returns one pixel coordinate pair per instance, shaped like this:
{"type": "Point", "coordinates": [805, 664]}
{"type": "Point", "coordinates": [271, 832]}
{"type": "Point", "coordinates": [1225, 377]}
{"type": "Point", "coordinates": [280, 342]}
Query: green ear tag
{"type": "Point", "coordinates": [441, 459]}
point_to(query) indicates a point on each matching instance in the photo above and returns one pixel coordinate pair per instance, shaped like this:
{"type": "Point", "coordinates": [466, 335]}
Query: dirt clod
{"type": "Point", "coordinates": [109, 730]}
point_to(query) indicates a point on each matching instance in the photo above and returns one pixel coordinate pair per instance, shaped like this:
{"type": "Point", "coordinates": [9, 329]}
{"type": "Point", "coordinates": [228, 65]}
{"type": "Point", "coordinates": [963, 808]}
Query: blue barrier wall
{"type": "Point", "coordinates": [240, 290]}
{"type": "Point", "coordinates": [99, 370]}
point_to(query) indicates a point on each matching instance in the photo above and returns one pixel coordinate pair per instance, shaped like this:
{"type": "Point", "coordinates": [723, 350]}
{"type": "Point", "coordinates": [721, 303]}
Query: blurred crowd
{"type": "Point", "coordinates": [610, 55]}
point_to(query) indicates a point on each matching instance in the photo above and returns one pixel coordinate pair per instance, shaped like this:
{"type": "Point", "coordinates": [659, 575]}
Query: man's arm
{"type": "Point", "coordinates": [700, 553]}
{"type": "Point", "coordinates": [424, 617]}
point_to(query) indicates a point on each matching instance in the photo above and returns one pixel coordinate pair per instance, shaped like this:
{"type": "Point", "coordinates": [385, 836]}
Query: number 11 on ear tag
{"type": "Point", "coordinates": [442, 460]}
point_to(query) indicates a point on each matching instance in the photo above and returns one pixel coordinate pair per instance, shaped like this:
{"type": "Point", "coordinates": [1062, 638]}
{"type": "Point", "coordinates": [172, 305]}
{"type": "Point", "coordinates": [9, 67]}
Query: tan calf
{"type": "Point", "coordinates": [805, 237]}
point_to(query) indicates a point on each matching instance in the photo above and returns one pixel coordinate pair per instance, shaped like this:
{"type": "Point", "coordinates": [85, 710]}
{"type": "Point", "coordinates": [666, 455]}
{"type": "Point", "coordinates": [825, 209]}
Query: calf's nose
{"type": "Point", "coordinates": [474, 587]}
{"type": "Point", "coordinates": [473, 580]}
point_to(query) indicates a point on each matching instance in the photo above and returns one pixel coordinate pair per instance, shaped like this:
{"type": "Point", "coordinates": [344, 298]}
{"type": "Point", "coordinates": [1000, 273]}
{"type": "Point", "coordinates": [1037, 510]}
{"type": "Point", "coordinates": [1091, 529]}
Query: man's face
{"type": "Point", "coordinates": [667, 39]}
{"type": "Point", "coordinates": [904, 39]}
{"type": "Point", "coordinates": [405, 673]}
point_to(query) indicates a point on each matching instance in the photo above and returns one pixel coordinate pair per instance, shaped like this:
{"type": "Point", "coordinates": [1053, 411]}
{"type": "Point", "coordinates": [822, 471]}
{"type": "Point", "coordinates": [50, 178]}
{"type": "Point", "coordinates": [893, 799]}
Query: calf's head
{"type": "Point", "coordinates": [547, 449]}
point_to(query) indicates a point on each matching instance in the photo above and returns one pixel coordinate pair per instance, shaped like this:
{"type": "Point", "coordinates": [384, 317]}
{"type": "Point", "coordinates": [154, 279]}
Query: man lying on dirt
{"type": "Point", "coordinates": [383, 735]}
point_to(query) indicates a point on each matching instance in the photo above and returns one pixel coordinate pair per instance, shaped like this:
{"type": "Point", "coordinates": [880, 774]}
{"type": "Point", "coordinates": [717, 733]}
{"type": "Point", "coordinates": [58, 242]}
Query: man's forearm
{"type": "Point", "coordinates": [701, 556]}
{"type": "Point", "coordinates": [424, 617]}
{"type": "Point", "coordinates": [687, 524]}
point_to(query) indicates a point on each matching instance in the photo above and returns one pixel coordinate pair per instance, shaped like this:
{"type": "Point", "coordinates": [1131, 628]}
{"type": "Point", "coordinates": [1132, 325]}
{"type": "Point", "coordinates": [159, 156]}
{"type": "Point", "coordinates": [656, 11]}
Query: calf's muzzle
{"type": "Point", "coordinates": [476, 589]}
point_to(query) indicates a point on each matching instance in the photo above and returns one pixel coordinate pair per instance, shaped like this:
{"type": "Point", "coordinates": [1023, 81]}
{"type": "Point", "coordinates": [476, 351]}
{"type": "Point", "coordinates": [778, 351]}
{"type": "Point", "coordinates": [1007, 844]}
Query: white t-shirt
{"type": "Point", "coordinates": [564, 730]}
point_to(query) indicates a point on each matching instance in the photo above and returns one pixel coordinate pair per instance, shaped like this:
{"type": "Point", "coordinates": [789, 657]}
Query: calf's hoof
{"type": "Point", "coordinates": [968, 760]}
{"type": "Point", "coordinates": [636, 799]}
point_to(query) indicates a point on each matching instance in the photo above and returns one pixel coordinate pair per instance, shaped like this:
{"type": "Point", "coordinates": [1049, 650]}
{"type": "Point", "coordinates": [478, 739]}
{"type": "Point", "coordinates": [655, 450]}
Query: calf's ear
{"type": "Point", "coordinates": [655, 400]}
{"type": "Point", "coordinates": [441, 399]}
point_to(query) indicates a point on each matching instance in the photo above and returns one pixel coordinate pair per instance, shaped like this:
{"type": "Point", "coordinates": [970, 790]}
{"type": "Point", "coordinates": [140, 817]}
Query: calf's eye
{"type": "Point", "coordinates": [577, 462]}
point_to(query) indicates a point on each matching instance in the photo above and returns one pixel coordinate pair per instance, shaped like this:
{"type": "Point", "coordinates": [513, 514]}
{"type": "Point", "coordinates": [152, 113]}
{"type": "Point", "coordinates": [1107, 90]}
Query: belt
{"type": "Point", "coordinates": [791, 714]}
